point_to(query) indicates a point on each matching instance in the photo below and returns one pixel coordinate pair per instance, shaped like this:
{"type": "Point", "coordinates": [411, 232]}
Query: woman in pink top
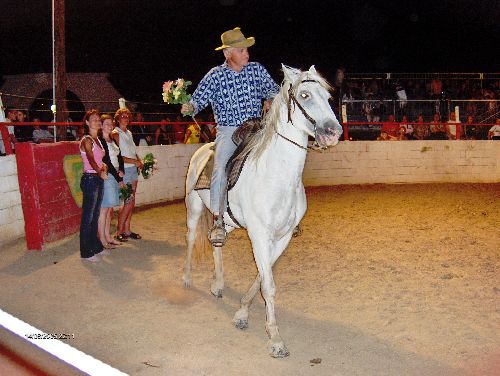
{"type": "Point", "coordinates": [94, 174]}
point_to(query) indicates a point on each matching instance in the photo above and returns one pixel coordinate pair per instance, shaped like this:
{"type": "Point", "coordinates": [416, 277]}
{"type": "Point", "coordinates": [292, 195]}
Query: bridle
{"type": "Point", "coordinates": [293, 100]}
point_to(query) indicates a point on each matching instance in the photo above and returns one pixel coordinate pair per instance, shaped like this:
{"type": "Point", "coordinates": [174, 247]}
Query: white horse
{"type": "Point", "coordinates": [269, 198]}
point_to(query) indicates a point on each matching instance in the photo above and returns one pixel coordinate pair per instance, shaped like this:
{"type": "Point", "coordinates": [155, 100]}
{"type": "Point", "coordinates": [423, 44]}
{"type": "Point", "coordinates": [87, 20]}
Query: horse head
{"type": "Point", "coordinates": [308, 107]}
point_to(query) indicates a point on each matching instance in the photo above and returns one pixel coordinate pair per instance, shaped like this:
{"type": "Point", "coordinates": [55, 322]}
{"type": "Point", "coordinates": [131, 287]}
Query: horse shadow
{"type": "Point", "coordinates": [328, 345]}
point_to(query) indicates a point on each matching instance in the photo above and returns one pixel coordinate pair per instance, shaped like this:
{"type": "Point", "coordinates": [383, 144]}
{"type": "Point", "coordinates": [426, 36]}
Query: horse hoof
{"type": "Point", "coordinates": [241, 324]}
{"type": "Point", "coordinates": [217, 293]}
{"type": "Point", "coordinates": [279, 350]}
{"type": "Point", "coordinates": [187, 283]}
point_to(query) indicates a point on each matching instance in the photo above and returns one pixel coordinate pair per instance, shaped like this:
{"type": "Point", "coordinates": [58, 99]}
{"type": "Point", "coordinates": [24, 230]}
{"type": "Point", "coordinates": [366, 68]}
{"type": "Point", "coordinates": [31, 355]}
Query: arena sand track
{"type": "Point", "coordinates": [385, 280]}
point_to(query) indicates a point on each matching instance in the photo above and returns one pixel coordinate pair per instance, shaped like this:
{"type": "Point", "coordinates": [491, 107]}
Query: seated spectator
{"type": "Point", "coordinates": [11, 118]}
{"type": "Point", "coordinates": [194, 135]}
{"type": "Point", "coordinates": [421, 130]}
{"type": "Point", "coordinates": [494, 132]}
{"type": "Point", "coordinates": [438, 129]}
{"type": "Point", "coordinates": [23, 133]}
{"type": "Point", "coordinates": [41, 134]}
{"type": "Point", "coordinates": [164, 134]}
{"type": "Point", "coordinates": [368, 106]}
{"type": "Point", "coordinates": [179, 130]}
{"type": "Point", "coordinates": [391, 127]}
{"type": "Point", "coordinates": [140, 132]}
{"type": "Point", "coordinates": [470, 131]}
{"type": "Point", "coordinates": [451, 127]}
{"type": "Point", "coordinates": [402, 134]}
{"type": "Point", "coordinates": [384, 136]}
{"type": "Point", "coordinates": [408, 127]}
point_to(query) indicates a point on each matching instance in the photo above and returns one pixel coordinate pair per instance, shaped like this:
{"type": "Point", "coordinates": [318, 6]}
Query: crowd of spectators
{"type": "Point", "coordinates": [372, 103]}
{"type": "Point", "coordinates": [419, 108]}
{"type": "Point", "coordinates": [166, 132]}
{"type": "Point", "coordinates": [372, 100]}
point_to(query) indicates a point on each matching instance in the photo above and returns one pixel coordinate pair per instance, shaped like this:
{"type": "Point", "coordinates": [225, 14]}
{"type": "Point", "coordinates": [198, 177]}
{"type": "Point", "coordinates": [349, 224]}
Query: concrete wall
{"type": "Point", "coordinates": [168, 182]}
{"type": "Point", "coordinates": [359, 162]}
{"type": "Point", "coordinates": [393, 162]}
{"type": "Point", "coordinates": [11, 212]}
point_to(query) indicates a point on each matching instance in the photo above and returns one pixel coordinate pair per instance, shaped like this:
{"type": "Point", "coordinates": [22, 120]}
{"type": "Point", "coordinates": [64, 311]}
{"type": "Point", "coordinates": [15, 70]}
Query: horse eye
{"type": "Point", "coordinates": [304, 95]}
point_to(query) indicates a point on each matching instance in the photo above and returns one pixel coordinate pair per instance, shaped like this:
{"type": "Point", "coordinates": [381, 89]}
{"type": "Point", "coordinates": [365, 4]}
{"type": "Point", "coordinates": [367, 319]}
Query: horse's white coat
{"type": "Point", "coordinates": [269, 198]}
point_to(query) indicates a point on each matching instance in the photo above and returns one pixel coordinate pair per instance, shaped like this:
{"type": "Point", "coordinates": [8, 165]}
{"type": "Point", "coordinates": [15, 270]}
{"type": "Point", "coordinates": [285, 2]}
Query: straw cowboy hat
{"type": "Point", "coordinates": [235, 38]}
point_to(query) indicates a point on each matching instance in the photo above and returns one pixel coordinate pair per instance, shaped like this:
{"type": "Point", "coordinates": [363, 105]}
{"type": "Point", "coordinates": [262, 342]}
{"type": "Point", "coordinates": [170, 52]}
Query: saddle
{"type": "Point", "coordinates": [240, 137]}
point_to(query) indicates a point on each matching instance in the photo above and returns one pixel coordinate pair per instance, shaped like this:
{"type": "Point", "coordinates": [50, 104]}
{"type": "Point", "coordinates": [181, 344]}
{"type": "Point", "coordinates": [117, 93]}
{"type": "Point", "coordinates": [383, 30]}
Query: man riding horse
{"type": "Point", "coordinates": [236, 91]}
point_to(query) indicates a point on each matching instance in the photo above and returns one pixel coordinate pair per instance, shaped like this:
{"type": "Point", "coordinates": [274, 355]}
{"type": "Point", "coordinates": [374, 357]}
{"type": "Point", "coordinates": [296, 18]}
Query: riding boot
{"type": "Point", "coordinates": [217, 234]}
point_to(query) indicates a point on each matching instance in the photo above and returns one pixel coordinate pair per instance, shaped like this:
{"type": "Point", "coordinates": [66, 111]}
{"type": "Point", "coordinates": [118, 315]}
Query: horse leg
{"type": "Point", "coordinates": [195, 208]}
{"type": "Point", "coordinates": [240, 318]}
{"type": "Point", "coordinates": [217, 284]}
{"type": "Point", "coordinates": [266, 253]}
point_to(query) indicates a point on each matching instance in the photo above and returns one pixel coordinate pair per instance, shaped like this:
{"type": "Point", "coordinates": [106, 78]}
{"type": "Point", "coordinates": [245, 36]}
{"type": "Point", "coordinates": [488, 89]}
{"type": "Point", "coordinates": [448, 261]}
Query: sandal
{"type": "Point", "coordinates": [112, 242]}
{"type": "Point", "coordinates": [133, 235]}
{"type": "Point", "coordinates": [122, 238]}
{"type": "Point", "coordinates": [108, 246]}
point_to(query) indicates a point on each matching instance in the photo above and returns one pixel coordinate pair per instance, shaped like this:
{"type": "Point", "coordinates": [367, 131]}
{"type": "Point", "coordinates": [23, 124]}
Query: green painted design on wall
{"type": "Point", "coordinates": [73, 170]}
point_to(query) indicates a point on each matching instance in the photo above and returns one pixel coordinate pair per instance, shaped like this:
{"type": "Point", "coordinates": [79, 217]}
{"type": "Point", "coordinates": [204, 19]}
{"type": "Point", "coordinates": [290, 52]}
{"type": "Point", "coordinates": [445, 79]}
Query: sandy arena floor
{"type": "Point", "coordinates": [385, 280]}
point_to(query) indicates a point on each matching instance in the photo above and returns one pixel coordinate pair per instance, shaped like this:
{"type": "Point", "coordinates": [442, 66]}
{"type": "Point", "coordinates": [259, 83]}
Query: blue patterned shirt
{"type": "Point", "coordinates": [234, 96]}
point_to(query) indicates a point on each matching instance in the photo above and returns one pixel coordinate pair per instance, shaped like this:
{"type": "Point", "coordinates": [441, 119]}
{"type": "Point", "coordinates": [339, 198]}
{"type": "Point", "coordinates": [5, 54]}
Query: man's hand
{"type": "Point", "coordinates": [187, 108]}
{"type": "Point", "coordinates": [267, 104]}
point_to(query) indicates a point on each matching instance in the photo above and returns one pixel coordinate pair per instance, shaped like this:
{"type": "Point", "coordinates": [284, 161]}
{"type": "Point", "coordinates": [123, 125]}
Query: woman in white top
{"type": "Point", "coordinates": [123, 137]}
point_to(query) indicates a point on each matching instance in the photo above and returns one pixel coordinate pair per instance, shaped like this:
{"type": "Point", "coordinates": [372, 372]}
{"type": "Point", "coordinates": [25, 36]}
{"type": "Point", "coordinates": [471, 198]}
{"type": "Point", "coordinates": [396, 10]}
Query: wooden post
{"type": "Point", "coordinates": [60, 67]}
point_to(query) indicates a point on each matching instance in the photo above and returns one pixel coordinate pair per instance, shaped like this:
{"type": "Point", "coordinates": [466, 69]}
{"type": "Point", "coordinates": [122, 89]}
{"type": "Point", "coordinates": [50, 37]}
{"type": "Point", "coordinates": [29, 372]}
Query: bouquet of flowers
{"type": "Point", "coordinates": [126, 193]}
{"type": "Point", "coordinates": [175, 92]}
{"type": "Point", "coordinates": [148, 167]}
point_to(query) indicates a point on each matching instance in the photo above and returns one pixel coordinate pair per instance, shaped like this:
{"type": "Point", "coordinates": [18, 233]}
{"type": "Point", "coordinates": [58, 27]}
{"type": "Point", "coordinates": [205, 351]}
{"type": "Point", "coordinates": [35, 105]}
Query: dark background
{"type": "Point", "coordinates": [143, 43]}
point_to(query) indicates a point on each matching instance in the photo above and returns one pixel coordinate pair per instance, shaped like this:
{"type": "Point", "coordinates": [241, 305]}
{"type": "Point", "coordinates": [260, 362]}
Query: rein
{"type": "Point", "coordinates": [292, 99]}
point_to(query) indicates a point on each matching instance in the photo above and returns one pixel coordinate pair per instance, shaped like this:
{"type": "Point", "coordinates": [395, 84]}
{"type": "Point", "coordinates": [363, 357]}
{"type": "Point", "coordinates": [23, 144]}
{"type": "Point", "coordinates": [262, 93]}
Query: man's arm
{"type": "Point", "coordinates": [202, 95]}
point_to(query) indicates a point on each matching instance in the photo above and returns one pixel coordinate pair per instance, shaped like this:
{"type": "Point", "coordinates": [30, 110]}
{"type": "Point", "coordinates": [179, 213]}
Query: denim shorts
{"type": "Point", "coordinates": [110, 197]}
{"type": "Point", "coordinates": [131, 175]}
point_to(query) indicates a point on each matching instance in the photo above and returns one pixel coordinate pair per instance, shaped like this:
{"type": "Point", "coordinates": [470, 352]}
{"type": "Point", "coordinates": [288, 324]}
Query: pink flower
{"type": "Point", "coordinates": [166, 86]}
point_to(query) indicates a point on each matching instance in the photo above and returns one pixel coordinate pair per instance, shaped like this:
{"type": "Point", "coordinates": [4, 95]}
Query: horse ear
{"type": "Point", "coordinates": [291, 74]}
{"type": "Point", "coordinates": [287, 72]}
{"type": "Point", "coordinates": [312, 69]}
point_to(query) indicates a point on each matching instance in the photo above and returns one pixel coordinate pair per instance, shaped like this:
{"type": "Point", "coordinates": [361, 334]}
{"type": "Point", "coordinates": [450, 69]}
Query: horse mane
{"type": "Point", "coordinates": [260, 141]}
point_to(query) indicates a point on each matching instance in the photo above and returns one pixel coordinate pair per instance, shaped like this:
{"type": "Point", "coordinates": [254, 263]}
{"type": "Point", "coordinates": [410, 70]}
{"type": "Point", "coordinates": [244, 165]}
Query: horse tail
{"type": "Point", "coordinates": [198, 214]}
{"type": "Point", "coordinates": [202, 247]}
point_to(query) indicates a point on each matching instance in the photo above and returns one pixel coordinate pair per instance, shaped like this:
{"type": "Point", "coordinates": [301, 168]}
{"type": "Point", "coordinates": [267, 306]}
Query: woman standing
{"type": "Point", "coordinates": [111, 199]}
{"type": "Point", "coordinates": [123, 137]}
{"type": "Point", "coordinates": [94, 172]}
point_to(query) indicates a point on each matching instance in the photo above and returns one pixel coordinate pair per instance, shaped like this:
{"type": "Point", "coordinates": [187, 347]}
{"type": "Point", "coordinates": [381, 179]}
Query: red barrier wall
{"type": "Point", "coordinates": [50, 212]}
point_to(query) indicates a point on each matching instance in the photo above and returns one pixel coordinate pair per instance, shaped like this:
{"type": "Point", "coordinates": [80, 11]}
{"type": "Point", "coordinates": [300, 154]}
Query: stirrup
{"type": "Point", "coordinates": [217, 234]}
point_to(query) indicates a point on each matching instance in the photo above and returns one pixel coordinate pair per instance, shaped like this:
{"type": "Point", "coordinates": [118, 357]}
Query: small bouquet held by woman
{"type": "Point", "coordinates": [126, 193]}
{"type": "Point", "coordinates": [148, 165]}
